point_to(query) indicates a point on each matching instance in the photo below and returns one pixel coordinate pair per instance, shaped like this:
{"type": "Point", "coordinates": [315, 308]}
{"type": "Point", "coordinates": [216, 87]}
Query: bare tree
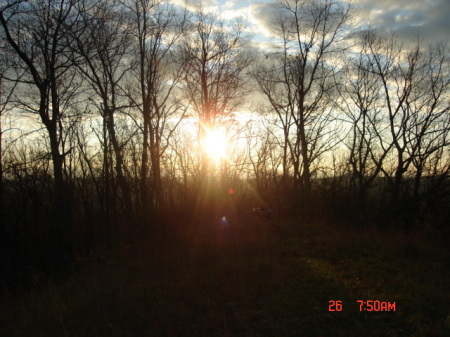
{"type": "Point", "coordinates": [215, 62]}
{"type": "Point", "coordinates": [299, 84]}
{"type": "Point", "coordinates": [415, 86]}
{"type": "Point", "coordinates": [6, 94]}
{"type": "Point", "coordinates": [361, 102]}
{"type": "Point", "coordinates": [102, 42]}
{"type": "Point", "coordinates": [430, 112]}
{"type": "Point", "coordinates": [36, 31]}
{"type": "Point", "coordinates": [156, 27]}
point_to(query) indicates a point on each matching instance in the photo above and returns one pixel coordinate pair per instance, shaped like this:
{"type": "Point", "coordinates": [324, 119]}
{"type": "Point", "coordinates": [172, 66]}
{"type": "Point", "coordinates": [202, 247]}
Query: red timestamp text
{"type": "Point", "coordinates": [335, 305]}
{"type": "Point", "coordinates": [365, 305]}
{"type": "Point", "coordinates": [371, 305]}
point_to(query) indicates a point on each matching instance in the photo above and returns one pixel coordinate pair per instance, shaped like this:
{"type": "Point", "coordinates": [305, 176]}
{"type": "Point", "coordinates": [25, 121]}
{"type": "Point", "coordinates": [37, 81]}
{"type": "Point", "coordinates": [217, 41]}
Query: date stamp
{"type": "Point", "coordinates": [364, 305]}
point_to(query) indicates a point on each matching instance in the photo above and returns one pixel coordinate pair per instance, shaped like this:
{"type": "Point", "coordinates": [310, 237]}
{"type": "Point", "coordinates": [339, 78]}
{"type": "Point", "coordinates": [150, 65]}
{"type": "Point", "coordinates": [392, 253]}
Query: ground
{"type": "Point", "coordinates": [253, 277]}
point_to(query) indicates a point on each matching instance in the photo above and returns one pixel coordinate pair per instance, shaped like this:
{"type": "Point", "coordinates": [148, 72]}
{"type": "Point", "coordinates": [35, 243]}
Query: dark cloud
{"type": "Point", "coordinates": [430, 19]}
{"type": "Point", "coordinates": [408, 18]}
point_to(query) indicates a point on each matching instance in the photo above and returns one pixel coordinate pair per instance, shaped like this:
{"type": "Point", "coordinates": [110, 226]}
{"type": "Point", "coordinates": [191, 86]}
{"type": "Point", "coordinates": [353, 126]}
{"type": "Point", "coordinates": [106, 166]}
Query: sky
{"type": "Point", "coordinates": [428, 18]}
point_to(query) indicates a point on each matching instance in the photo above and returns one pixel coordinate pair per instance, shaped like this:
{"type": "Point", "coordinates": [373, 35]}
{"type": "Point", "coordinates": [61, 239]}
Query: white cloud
{"type": "Point", "coordinates": [261, 16]}
{"type": "Point", "coordinates": [192, 5]}
{"type": "Point", "coordinates": [228, 4]}
{"type": "Point", "coordinates": [229, 14]}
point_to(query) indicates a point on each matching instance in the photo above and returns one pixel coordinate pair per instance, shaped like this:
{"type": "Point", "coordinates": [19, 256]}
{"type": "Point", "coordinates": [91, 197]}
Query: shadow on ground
{"type": "Point", "coordinates": [253, 277]}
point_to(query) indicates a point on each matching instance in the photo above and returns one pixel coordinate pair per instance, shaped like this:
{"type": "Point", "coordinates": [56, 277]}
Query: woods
{"type": "Point", "coordinates": [106, 107]}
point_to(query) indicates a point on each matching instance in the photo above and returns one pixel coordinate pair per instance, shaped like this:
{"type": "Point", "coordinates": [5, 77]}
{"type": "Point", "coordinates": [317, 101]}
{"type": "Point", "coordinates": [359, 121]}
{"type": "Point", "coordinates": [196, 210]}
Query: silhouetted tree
{"type": "Point", "coordinates": [415, 87]}
{"type": "Point", "coordinates": [36, 31]}
{"type": "Point", "coordinates": [361, 102]}
{"type": "Point", "coordinates": [214, 81]}
{"type": "Point", "coordinates": [299, 84]}
{"type": "Point", "coordinates": [102, 43]}
{"type": "Point", "coordinates": [156, 27]}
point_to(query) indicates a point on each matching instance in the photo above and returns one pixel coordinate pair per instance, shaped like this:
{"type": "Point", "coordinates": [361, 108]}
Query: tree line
{"type": "Point", "coordinates": [331, 123]}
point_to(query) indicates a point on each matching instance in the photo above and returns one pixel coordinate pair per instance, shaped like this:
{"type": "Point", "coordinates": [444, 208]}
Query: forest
{"type": "Point", "coordinates": [163, 138]}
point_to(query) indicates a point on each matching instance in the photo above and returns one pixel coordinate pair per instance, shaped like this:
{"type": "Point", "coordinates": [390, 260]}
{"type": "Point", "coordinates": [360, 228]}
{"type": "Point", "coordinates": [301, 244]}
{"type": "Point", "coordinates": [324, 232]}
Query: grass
{"type": "Point", "coordinates": [258, 278]}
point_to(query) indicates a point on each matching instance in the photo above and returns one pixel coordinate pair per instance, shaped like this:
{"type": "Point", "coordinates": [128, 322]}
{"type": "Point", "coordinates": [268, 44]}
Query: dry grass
{"type": "Point", "coordinates": [258, 278]}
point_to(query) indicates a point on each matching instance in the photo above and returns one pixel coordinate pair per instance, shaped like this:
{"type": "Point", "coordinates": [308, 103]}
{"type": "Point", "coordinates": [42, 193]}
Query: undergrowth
{"type": "Point", "coordinates": [254, 278]}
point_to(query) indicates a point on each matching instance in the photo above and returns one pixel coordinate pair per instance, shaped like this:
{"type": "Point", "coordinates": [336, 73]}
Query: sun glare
{"type": "Point", "coordinates": [216, 144]}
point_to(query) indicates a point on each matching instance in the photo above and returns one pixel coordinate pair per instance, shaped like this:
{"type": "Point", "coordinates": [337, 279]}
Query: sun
{"type": "Point", "coordinates": [215, 143]}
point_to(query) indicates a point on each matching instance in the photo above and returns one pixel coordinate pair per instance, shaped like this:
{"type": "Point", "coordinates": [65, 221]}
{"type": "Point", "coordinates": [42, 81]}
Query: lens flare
{"type": "Point", "coordinates": [224, 222]}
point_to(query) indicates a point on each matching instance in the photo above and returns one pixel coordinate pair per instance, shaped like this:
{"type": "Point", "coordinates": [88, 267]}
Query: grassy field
{"type": "Point", "coordinates": [255, 278]}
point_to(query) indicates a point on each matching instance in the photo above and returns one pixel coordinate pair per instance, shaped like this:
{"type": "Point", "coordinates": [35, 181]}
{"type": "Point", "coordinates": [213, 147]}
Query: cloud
{"type": "Point", "coordinates": [430, 19]}
{"type": "Point", "coordinates": [229, 13]}
{"type": "Point", "coordinates": [261, 17]}
{"type": "Point", "coordinates": [193, 5]}
{"type": "Point", "coordinates": [408, 18]}
{"type": "Point", "coordinates": [228, 5]}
